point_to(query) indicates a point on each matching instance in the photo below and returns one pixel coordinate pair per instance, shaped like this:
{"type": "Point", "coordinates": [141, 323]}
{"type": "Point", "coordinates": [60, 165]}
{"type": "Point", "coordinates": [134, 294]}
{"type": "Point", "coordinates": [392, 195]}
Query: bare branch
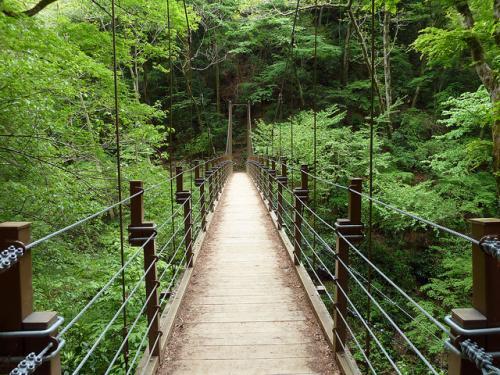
{"type": "Point", "coordinates": [41, 5]}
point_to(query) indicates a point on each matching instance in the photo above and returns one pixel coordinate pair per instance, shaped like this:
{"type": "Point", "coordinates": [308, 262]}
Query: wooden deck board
{"type": "Point", "coordinates": [244, 311]}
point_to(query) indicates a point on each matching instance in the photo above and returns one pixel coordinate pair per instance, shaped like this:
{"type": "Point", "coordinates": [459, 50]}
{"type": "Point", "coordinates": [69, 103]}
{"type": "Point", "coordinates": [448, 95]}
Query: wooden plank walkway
{"type": "Point", "coordinates": [245, 311]}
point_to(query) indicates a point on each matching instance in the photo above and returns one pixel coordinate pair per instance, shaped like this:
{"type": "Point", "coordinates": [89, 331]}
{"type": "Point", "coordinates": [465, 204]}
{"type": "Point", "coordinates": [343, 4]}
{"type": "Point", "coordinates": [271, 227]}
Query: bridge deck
{"type": "Point", "coordinates": [245, 311]}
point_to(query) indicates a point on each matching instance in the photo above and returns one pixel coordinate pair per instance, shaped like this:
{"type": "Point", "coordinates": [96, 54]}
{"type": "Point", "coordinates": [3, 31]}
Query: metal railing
{"type": "Point", "coordinates": [163, 266]}
{"type": "Point", "coordinates": [335, 272]}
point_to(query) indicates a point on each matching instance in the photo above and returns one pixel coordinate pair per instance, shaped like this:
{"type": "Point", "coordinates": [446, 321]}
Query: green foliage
{"type": "Point", "coordinates": [58, 157]}
{"type": "Point", "coordinates": [467, 114]}
{"type": "Point", "coordinates": [442, 47]}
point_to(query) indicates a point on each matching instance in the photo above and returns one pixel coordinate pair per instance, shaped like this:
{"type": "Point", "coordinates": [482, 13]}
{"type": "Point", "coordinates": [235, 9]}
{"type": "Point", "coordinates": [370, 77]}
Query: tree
{"type": "Point", "coordinates": [478, 33]}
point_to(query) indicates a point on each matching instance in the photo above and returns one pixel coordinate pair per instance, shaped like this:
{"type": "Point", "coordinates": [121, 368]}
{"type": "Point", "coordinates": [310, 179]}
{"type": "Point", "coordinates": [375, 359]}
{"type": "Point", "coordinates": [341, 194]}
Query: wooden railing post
{"type": "Point", "coordinates": [255, 171]}
{"type": "Point", "coordinates": [265, 176]}
{"type": "Point", "coordinates": [282, 182]}
{"type": "Point", "coordinates": [262, 175]}
{"type": "Point", "coordinates": [219, 178]}
{"type": "Point", "coordinates": [200, 182]}
{"type": "Point", "coordinates": [143, 233]}
{"type": "Point", "coordinates": [226, 170]}
{"type": "Point", "coordinates": [214, 183]}
{"type": "Point", "coordinates": [301, 195]}
{"type": "Point", "coordinates": [350, 228]}
{"type": "Point", "coordinates": [16, 313]}
{"type": "Point", "coordinates": [210, 182]}
{"type": "Point", "coordinates": [272, 176]}
{"type": "Point", "coordinates": [183, 197]}
{"type": "Point", "coordinates": [485, 310]}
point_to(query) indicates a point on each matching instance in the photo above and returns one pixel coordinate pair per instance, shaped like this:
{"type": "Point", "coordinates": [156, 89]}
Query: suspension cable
{"type": "Point", "coordinates": [311, 229]}
{"type": "Point", "coordinates": [393, 284]}
{"type": "Point", "coordinates": [389, 319]}
{"type": "Point", "coordinates": [112, 279]}
{"type": "Point", "coordinates": [171, 114]}
{"type": "Point", "coordinates": [395, 326]}
{"type": "Point", "coordinates": [393, 208]}
{"type": "Point", "coordinates": [372, 265]}
{"type": "Point", "coordinates": [315, 112]}
{"type": "Point", "coordinates": [104, 210]}
{"type": "Point", "coordinates": [369, 330]}
{"type": "Point", "coordinates": [356, 341]}
{"type": "Point", "coordinates": [394, 303]}
{"type": "Point", "coordinates": [370, 167]}
{"type": "Point", "coordinates": [113, 319]}
{"type": "Point", "coordinates": [189, 81]}
{"type": "Point", "coordinates": [119, 180]}
{"type": "Point", "coordinates": [138, 316]}
{"type": "Point", "coordinates": [290, 55]}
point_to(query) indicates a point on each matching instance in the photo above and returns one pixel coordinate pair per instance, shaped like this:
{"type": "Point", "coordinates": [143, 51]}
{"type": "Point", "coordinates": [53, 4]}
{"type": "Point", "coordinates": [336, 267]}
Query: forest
{"type": "Point", "coordinates": [304, 68]}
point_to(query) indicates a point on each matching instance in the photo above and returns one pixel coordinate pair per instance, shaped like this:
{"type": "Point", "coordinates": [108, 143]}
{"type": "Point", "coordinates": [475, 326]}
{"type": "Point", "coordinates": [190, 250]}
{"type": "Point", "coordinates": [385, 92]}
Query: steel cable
{"type": "Point", "coordinates": [363, 321]}
{"type": "Point", "coordinates": [104, 210]}
{"type": "Point", "coordinates": [363, 353]}
{"type": "Point", "coordinates": [130, 329]}
{"type": "Point", "coordinates": [393, 284]}
{"type": "Point", "coordinates": [110, 323]}
{"type": "Point", "coordinates": [143, 340]}
{"type": "Point", "coordinates": [389, 319]}
{"type": "Point", "coordinates": [394, 303]}
{"type": "Point", "coordinates": [119, 175]}
{"type": "Point", "coordinates": [393, 208]}
{"type": "Point", "coordinates": [400, 290]}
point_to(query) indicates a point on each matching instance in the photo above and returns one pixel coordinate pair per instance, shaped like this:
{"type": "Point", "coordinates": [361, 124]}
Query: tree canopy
{"type": "Point", "coordinates": [437, 123]}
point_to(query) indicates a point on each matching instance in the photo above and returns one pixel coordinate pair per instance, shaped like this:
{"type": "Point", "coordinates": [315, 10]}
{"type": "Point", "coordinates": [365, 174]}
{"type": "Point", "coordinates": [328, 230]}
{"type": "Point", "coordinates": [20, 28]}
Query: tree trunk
{"type": "Point", "coordinates": [419, 87]}
{"type": "Point", "coordinates": [299, 86]}
{"type": "Point", "coordinates": [487, 76]}
{"type": "Point", "coordinates": [496, 134]}
{"type": "Point", "coordinates": [387, 67]}
{"type": "Point", "coordinates": [366, 56]}
{"type": "Point", "coordinates": [345, 55]}
{"type": "Point", "coordinates": [217, 84]}
{"type": "Point", "coordinates": [134, 72]}
{"type": "Point", "coordinates": [145, 84]}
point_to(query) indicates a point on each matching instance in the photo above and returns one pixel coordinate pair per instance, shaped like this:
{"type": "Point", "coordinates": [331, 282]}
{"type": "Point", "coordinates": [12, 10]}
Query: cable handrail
{"type": "Point", "coordinates": [130, 329]}
{"type": "Point", "coordinates": [371, 264]}
{"type": "Point", "coordinates": [110, 323]}
{"type": "Point", "coordinates": [392, 302]}
{"type": "Point", "coordinates": [333, 277]}
{"type": "Point", "coordinates": [363, 353]}
{"type": "Point", "coordinates": [332, 301]}
{"type": "Point", "coordinates": [390, 206]}
{"type": "Point", "coordinates": [110, 281]}
{"type": "Point", "coordinates": [308, 260]}
{"type": "Point", "coordinates": [368, 328]}
{"type": "Point", "coordinates": [122, 306]}
{"type": "Point", "coordinates": [115, 276]}
{"type": "Point", "coordinates": [389, 319]}
{"type": "Point", "coordinates": [143, 340]}
{"type": "Point", "coordinates": [151, 354]}
{"type": "Point", "coordinates": [174, 277]}
{"type": "Point", "coordinates": [147, 300]}
{"type": "Point", "coordinates": [393, 284]}
{"type": "Point", "coordinates": [350, 270]}
{"type": "Point", "coordinates": [108, 208]}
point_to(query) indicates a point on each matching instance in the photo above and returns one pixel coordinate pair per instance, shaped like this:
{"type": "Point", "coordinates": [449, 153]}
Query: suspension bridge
{"type": "Point", "coordinates": [240, 284]}
{"type": "Point", "coordinates": [245, 276]}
